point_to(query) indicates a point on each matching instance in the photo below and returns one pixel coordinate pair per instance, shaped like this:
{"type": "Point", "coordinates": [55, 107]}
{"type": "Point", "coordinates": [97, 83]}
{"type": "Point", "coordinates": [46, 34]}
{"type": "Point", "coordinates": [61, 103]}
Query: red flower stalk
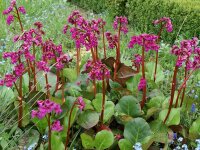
{"type": "Point", "coordinates": [165, 23]}
{"type": "Point", "coordinates": [148, 42]}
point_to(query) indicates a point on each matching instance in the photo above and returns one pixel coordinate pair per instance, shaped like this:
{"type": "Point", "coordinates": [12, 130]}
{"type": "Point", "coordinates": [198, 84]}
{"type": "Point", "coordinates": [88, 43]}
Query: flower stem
{"type": "Point", "coordinates": [78, 61]}
{"type": "Point", "coordinates": [19, 19]}
{"type": "Point", "coordinates": [103, 100]}
{"type": "Point", "coordinates": [183, 86]}
{"type": "Point", "coordinates": [158, 42]}
{"type": "Point", "coordinates": [117, 54]}
{"type": "Point", "coordinates": [172, 93]}
{"type": "Point", "coordinates": [34, 68]}
{"type": "Point", "coordinates": [143, 76]}
{"type": "Point", "coordinates": [49, 132]}
{"type": "Point", "coordinates": [47, 85]}
{"type": "Point", "coordinates": [69, 123]}
{"type": "Point", "coordinates": [104, 44]}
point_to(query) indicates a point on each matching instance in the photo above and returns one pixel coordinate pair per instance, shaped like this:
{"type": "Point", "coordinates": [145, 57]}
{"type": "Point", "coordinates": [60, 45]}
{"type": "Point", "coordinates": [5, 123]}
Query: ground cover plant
{"type": "Point", "coordinates": [75, 90]}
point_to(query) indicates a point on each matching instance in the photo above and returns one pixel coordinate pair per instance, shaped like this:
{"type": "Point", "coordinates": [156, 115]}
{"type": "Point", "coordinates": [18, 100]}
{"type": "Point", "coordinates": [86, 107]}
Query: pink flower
{"type": "Point", "coordinates": [22, 9]}
{"type": "Point", "coordinates": [138, 59]}
{"type": "Point", "coordinates": [112, 40]}
{"type": "Point", "coordinates": [148, 41]}
{"type": "Point", "coordinates": [12, 3]}
{"type": "Point", "coordinates": [142, 84]}
{"type": "Point", "coordinates": [38, 24]}
{"type": "Point", "coordinates": [57, 109]}
{"type": "Point", "coordinates": [19, 69]}
{"type": "Point", "coordinates": [97, 70]}
{"type": "Point", "coordinates": [46, 107]}
{"type": "Point", "coordinates": [121, 22]}
{"type": "Point", "coordinates": [34, 113]}
{"type": "Point", "coordinates": [9, 79]}
{"type": "Point", "coordinates": [16, 38]}
{"type": "Point", "coordinates": [42, 66]}
{"type": "Point", "coordinates": [56, 126]}
{"type": "Point", "coordinates": [9, 19]}
{"type": "Point", "coordinates": [64, 31]}
{"type": "Point", "coordinates": [80, 103]}
{"type": "Point", "coordinates": [8, 10]}
{"type": "Point", "coordinates": [167, 23]}
{"type": "Point", "coordinates": [72, 19]}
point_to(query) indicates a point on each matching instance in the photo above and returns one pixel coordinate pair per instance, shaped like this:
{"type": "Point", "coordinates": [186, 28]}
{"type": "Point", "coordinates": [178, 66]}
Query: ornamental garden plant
{"type": "Point", "coordinates": [91, 100]}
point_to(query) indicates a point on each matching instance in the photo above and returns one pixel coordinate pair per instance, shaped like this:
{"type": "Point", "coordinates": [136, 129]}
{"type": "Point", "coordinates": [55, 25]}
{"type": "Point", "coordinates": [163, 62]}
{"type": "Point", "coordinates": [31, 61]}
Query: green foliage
{"type": "Point", "coordinates": [103, 139]}
{"type": "Point", "coordinates": [87, 119]}
{"type": "Point", "coordinates": [124, 144]}
{"type": "Point", "coordinates": [137, 130]}
{"type": "Point", "coordinates": [96, 6]}
{"type": "Point", "coordinates": [141, 14]}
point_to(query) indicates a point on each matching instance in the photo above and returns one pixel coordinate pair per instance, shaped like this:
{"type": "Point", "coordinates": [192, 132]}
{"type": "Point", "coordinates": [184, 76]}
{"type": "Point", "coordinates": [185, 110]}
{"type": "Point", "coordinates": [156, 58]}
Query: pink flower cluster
{"type": "Point", "coordinates": [56, 126]}
{"type": "Point", "coordinates": [10, 17]}
{"type": "Point", "coordinates": [166, 22]}
{"type": "Point", "coordinates": [8, 80]}
{"type": "Point", "coordinates": [121, 22]}
{"type": "Point", "coordinates": [45, 107]}
{"type": "Point", "coordinates": [138, 59]}
{"type": "Point", "coordinates": [112, 40]}
{"type": "Point", "coordinates": [97, 70]}
{"type": "Point", "coordinates": [184, 53]}
{"type": "Point", "coordinates": [80, 103]}
{"type": "Point", "coordinates": [148, 41]}
{"type": "Point", "coordinates": [84, 33]}
{"type": "Point", "coordinates": [142, 84]}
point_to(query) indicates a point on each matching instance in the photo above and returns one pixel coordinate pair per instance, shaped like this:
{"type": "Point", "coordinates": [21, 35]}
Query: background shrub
{"type": "Point", "coordinates": [185, 14]}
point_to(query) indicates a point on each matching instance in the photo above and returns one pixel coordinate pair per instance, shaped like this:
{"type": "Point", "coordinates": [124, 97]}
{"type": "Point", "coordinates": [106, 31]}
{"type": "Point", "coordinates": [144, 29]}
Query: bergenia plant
{"type": "Point", "coordinates": [188, 55]}
{"type": "Point", "coordinates": [46, 109]}
{"type": "Point", "coordinates": [148, 42]}
{"type": "Point", "coordinates": [166, 23]}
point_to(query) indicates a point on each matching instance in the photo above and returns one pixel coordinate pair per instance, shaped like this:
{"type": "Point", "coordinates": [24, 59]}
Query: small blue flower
{"type": "Point", "coordinates": [174, 136]}
{"type": "Point", "coordinates": [192, 91]}
{"type": "Point", "coordinates": [137, 146]}
{"type": "Point", "coordinates": [193, 108]}
{"type": "Point", "coordinates": [180, 139]}
{"type": "Point", "coordinates": [185, 147]}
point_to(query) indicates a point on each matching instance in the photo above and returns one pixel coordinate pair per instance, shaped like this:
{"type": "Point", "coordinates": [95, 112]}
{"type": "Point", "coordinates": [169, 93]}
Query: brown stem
{"type": "Point", "coordinates": [158, 42]}
{"type": "Point", "coordinates": [103, 100]}
{"type": "Point", "coordinates": [63, 88]}
{"type": "Point", "coordinates": [34, 68]}
{"type": "Point", "coordinates": [143, 76]}
{"type": "Point", "coordinates": [78, 61]}
{"type": "Point", "coordinates": [93, 55]}
{"type": "Point", "coordinates": [117, 54]}
{"type": "Point", "coordinates": [183, 86]}
{"type": "Point", "coordinates": [16, 88]}
{"type": "Point", "coordinates": [29, 74]}
{"type": "Point", "coordinates": [172, 93]}
{"type": "Point", "coordinates": [49, 132]}
{"type": "Point", "coordinates": [69, 123]}
{"type": "Point", "coordinates": [94, 87]}
{"type": "Point", "coordinates": [104, 44]}
{"type": "Point", "coordinates": [47, 85]}
{"type": "Point", "coordinates": [19, 19]}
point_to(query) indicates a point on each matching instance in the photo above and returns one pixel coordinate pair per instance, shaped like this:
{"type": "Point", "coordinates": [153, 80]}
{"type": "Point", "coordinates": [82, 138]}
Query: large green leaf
{"type": "Point", "coordinates": [109, 111]}
{"type": "Point", "coordinates": [70, 73]}
{"type": "Point", "coordinates": [124, 144]}
{"type": "Point", "coordinates": [174, 116]}
{"type": "Point", "coordinates": [194, 131]}
{"type": "Point", "coordinates": [56, 142]}
{"type": "Point", "coordinates": [128, 105]}
{"type": "Point", "coordinates": [103, 139]}
{"type": "Point", "coordinates": [132, 83]}
{"type": "Point", "coordinates": [87, 141]}
{"type": "Point", "coordinates": [156, 102]}
{"type": "Point", "coordinates": [97, 102]}
{"type": "Point", "coordinates": [137, 130]}
{"type": "Point", "coordinates": [88, 118]}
